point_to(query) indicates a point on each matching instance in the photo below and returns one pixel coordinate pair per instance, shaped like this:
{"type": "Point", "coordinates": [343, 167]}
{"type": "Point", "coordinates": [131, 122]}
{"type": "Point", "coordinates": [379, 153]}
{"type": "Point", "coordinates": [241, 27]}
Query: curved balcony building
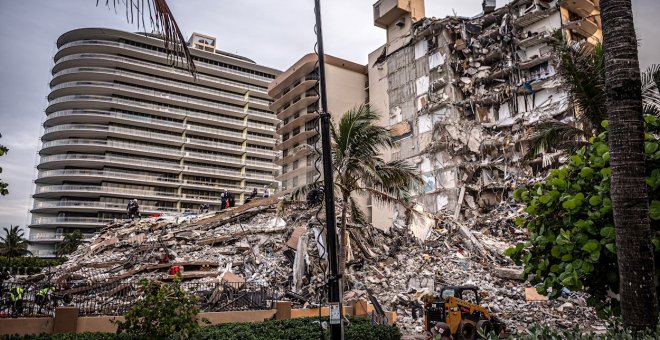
{"type": "Point", "coordinates": [295, 94]}
{"type": "Point", "coordinates": [122, 123]}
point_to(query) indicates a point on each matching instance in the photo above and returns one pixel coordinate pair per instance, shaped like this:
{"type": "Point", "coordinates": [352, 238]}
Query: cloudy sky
{"type": "Point", "coordinates": [274, 33]}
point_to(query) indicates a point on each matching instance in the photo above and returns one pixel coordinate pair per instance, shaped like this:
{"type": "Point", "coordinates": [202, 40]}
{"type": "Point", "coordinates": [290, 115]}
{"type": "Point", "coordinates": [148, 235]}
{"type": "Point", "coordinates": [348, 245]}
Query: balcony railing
{"type": "Point", "coordinates": [112, 159]}
{"type": "Point", "coordinates": [112, 114]}
{"type": "Point", "coordinates": [163, 56]}
{"type": "Point", "coordinates": [218, 132]}
{"type": "Point", "coordinates": [156, 67]}
{"type": "Point", "coordinates": [113, 129]}
{"type": "Point", "coordinates": [98, 205]}
{"type": "Point", "coordinates": [106, 174]}
{"type": "Point", "coordinates": [115, 144]}
{"type": "Point", "coordinates": [71, 220]}
{"type": "Point", "coordinates": [104, 189]}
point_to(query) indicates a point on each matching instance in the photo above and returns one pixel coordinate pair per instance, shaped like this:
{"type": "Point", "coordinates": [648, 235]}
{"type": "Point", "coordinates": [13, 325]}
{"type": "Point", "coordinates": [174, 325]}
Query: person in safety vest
{"type": "Point", "coordinates": [16, 300]}
{"type": "Point", "coordinates": [44, 297]}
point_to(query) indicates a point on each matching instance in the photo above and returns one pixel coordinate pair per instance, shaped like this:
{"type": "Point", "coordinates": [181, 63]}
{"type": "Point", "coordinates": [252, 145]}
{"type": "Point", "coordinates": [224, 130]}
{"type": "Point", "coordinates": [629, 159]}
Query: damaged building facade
{"type": "Point", "coordinates": [460, 94]}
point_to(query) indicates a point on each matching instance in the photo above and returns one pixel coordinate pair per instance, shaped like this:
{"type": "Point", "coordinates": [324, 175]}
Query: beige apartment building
{"type": "Point", "coordinates": [295, 95]}
{"type": "Point", "coordinates": [123, 123]}
{"type": "Point", "coordinates": [461, 94]}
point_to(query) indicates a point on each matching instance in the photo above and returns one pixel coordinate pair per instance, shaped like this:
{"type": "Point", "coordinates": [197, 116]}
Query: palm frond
{"type": "Point", "coordinates": [163, 23]}
{"type": "Point", "coordinates": [651, 90]}
{"type": "Point", "coordinates": [553, 134]}
{"type": "Point", "coordinates": [581, 67]}
{"type": "Point", "coordinates": [357, 215]}
{"type": "Point", "coordinates": [300, 192]}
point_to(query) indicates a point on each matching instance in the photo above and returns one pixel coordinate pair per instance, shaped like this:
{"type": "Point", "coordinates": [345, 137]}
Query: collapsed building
{"type": "Point", "coordinates": [460, 94]}
{"type": "Point", "coordinates": [242, 258]}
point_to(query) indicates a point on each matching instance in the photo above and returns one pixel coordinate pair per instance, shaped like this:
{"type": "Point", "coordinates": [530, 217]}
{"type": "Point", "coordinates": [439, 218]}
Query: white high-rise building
{"type": "Point", "coordinates": [123, 123]}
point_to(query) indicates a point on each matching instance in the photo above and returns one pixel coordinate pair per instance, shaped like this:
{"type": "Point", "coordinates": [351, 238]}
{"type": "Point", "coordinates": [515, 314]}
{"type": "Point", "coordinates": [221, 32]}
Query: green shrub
{"type": "Point", "coordinates": [301, 328]}
{"type": "Point", "coordinates": [570, 224]}
{"type": "Point", "coordinates": [29, 264]}
{"type": "Point", "coordinates": [614, 332]}
{"type": "Point", "coordinates": [166, 309]}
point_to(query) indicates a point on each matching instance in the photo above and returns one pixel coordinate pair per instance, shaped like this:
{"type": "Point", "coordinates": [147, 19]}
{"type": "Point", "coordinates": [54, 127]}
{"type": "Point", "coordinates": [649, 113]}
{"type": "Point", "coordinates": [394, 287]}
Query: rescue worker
{"type": "Point", "coordinates": [266, 191]}
{"type": "Point", "coordinates": [44, 297]}
{"type": "Point", "coordinates": [232, 200]}
{"type": "Point", "coordinates": [133, 209]}
{"type": "Point", "coordinates": [223, 200]}
{"type": "Point", "coordinates": [16, 300]}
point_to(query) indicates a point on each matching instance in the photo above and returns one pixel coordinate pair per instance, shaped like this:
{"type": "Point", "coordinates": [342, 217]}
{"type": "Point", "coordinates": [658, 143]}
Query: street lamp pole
{"type": "Point", "coordinates": [334, 280]}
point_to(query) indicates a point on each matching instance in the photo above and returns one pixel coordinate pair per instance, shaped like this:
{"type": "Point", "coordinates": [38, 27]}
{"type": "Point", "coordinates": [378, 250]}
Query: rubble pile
{"type": "Point", "coordinates": [281, 246]}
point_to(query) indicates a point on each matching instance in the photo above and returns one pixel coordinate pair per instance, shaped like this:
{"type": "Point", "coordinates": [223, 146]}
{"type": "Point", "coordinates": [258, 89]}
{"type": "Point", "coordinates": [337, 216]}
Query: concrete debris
{"type": "Point", "coordinates": [245, 247]}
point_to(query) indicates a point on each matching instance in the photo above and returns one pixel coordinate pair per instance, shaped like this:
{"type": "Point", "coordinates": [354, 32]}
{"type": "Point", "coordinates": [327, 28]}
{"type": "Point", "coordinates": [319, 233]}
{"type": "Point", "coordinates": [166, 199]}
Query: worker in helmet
{"type": "Point", "coordinates": [44, 297]}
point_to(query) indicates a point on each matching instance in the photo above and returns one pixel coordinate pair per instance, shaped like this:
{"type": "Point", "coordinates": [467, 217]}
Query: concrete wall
{"type": "Point", "coordinates": [64, 319]}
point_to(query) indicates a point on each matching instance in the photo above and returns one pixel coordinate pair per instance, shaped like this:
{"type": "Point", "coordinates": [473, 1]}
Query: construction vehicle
{"type": "Point", "coordinates": [455, 313]}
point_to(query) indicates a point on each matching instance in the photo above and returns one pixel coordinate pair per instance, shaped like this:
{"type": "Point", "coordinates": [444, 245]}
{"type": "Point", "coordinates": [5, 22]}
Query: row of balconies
{"type": "Point", "coordinates": [152, 66]}
{"type": "Point", "coordinates": [163, 56]}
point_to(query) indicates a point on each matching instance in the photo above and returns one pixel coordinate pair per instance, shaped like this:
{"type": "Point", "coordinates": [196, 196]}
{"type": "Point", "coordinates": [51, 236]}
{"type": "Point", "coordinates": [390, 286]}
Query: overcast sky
{"type": "Point", "coordinates": [274, 33]}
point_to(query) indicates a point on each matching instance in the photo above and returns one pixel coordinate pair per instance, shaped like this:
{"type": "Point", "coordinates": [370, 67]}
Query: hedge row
{"type": "Point", "coordinates": [301, 328]}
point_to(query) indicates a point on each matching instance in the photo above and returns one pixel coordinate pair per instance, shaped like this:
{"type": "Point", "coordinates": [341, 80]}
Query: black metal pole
{"type": "Point", "coordinates": [334, 280]}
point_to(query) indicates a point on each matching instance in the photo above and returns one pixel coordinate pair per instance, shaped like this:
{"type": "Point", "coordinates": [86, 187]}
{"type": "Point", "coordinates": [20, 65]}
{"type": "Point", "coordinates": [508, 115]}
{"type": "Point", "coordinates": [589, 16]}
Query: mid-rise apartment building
{"type": "Point", "coordinates": [123, 123]}
{"type": "Point", "coordinates": [461, 93]}
{"type": "Point", "coordinates": [295, 94]}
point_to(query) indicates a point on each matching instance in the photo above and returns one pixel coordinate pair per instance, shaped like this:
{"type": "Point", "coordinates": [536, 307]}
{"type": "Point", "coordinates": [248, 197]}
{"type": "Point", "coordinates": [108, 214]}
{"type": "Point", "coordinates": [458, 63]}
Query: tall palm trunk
{"type": "Point", "coordinates": [639, 304]}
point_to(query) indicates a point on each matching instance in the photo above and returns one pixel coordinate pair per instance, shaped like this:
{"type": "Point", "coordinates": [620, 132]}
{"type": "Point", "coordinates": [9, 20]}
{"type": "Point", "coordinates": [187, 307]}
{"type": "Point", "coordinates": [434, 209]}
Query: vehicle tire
{"type": "Point", "coordinates": [485, 326]}
{"type": "Point", "coordinates": [466, 331]}
{"type": "Point", "coordinates": [440, 331]}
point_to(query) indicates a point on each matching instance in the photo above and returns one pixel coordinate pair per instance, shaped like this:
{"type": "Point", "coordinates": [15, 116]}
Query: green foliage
{"type": "Point", "coordinates": [570, 224]}
{"type": "Point", "coordinates": [3, 185]}
{"type": "Point", "coordinates": [28, 264]}
{"type": "Point", "coordinates": [13, 243]}
{"type": "Point", "coordinates": [70, 243]}
{"type": "Point", "coordinates": [165, 309]}
{"type": "Point", "coordinates": [302, 328]}
{"type": "Point", "coordinates": [614, 332]}
{"type": "Point", "coordinates": [293, 329]}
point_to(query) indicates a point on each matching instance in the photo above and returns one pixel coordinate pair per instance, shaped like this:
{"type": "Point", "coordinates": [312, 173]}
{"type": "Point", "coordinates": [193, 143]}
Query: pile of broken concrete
{"type": "Point", "coordinates": [282, 246]}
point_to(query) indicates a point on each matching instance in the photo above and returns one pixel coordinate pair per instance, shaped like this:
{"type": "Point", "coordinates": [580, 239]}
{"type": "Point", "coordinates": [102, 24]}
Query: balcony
{"type": "Point", "coordinates": [584, 27]}
{"type": "Point", "coordinates": [97, 190]}
{"type": "Point", "coordinates": [260, 152]}
{"type": "Point", "coordinates": [297, 153]}
{"type": "Point", "coordinates": [50, 176]}
{"type": "Point", "coordinates": [87, 44]}
{"type": "Point", "coordinates": [101, 116]}
{"type": "Point", "coordinates": [56, 206]}
{"type": "Point", "coordinates": [112, 60]}
{"type": "Point", "coordinates": [229, 122]}
{"type": "Point", "coordinates": [297, 122]}
{"type": "Point", "coordinates": [70, 221]}
{"type": "Point", "coordinates": [205, 185]}
{"type": "Point", "coordinates": [215, 171]}
{"type": "Point", "coordinates": [213, 158]}
{"type": "Point", "coordinates": [214, 145]}
{"type": "Point", "coordinates": [582, 8]}
{"type": "Point", "coordinates": [302, 87]}
{"type": "Point", "coordinates": [300, 138]}
{"type": "Point", "coordinates": [261, 165]}
{"type": "Point", "coordinates": [49, 237]}
{"type": "Point", "coordinates": [96, 145]}
{"type": "Point", "coordinates": [213, 132]}
{"type": "Point", "coordinates": [86, 159]}
{"type": "Point", "coordinates": [300, 104]}
{"type": "Point", "coordinates": [92, 130]}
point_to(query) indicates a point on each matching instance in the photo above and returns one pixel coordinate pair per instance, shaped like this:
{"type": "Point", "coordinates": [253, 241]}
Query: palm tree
{"type": "Point", "coordinates": [582, 74]}
{"type": "Point", "coordinates": [70, 243]}
{"type": "Point", "coordinates": [359, 169]}
{"type": "Point", "coordinates": [623, 88]}
{"type": "Point", "coordinates": [13, 243]}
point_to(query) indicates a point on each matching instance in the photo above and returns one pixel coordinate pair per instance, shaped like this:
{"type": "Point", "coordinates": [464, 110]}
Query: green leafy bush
{"type": "Point", "coordinates": [614, 332]}
{"type": "Point", "coordinates": [166, 309]}
{"type": "Point", "coordinates": [28, 264]}
{"type": "Point", "coordinates": [570, 224]}
{"type": "Point", "coordinates": [302, 328]}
